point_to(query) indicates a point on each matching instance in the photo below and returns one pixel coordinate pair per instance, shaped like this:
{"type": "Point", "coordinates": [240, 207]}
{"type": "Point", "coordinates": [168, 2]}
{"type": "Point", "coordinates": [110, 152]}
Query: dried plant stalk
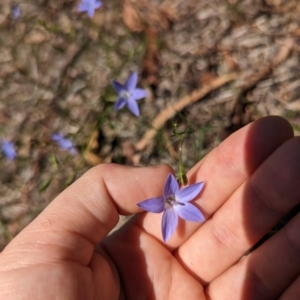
{"type": "Point", "coordinates": [171, 110]}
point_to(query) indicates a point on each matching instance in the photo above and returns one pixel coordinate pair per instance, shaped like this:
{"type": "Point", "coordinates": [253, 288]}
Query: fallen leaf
{"type": "Point", "coordinates": [92, 159]}
{"type": "Point", "coordinates": [93, 142]}
{"type": "Point", "coordinates": [89, 155]}
{"type": "Point", "coordinates": [131, 18]}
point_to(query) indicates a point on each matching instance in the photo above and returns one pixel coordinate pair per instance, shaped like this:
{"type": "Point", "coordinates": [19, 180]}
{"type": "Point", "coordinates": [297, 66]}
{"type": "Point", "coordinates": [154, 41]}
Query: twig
{"type": "Point", "coordinates": [171, 110]}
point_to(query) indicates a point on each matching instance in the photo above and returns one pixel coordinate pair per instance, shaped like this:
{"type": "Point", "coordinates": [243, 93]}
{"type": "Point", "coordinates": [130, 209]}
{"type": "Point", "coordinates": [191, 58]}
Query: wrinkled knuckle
{"type": "Point", "coordinates": [229, 163]}
{"type": "Point", "coordinates": [225, 237]}
{"type": "Point", "coordinates": [262, 197]}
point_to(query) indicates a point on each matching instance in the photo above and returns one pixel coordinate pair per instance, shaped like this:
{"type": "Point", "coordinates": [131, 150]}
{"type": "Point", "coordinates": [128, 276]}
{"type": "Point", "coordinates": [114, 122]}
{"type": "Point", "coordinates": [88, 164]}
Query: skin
{"type": "Point", "coordinates": [252, 180]}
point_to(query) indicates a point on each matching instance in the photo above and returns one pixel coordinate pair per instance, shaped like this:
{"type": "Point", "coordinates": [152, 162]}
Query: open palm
{"type": "Point", "coordinates": [250, 185]}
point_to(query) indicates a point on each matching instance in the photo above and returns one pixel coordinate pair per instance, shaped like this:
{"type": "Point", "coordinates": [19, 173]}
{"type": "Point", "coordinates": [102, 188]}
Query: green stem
{"type": "Point", "coordinates": [182, 175]}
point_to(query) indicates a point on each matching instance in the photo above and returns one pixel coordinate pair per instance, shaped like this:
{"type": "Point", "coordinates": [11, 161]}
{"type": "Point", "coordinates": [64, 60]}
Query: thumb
{"type": "Point", "coordinates": [84, 214]}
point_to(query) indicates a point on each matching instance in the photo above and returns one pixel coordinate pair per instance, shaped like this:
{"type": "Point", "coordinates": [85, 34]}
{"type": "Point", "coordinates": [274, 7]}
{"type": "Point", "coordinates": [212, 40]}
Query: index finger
{"type": "Point", "coordinates": [83, 215]}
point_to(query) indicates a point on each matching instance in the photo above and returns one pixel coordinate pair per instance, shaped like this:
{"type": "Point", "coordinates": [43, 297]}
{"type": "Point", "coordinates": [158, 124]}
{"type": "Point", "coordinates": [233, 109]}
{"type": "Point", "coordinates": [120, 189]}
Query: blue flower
{"type": "Point", "coordinates": [8, 149]}
{"type": "Point", "coordinates": [63, 143]}
{"type": "Point", "coordinates": [15, 12]}
{"type": "Point", "coordinates": [128, 94]}
{"type": "Point", "coordinates": [175, 203]}
{"type": "Point", "coordinates": [89, 6]}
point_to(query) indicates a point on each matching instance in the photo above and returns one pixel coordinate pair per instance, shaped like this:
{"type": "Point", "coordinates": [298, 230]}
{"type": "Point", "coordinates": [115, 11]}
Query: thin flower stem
{"type": "Point", "coordinates": [182, 175]}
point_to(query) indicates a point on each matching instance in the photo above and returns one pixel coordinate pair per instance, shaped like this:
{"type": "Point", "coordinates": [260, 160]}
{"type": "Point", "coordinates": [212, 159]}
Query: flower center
{"type": "Point", "coordinates": [125, 94]}
{"type": "Point", "coordinates": [171, 201]}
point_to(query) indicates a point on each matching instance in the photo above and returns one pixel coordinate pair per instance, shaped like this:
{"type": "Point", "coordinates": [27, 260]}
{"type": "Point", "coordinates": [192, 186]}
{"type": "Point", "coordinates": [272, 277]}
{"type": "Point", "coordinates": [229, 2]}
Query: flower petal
{"type": "Point", "coordinates": [131, 82]}
{"type": "Point", "coordinates": [118, 87]}
{"type": "Point", "coordinates": [120, 103]}
{"type": "Point", "coordinates": [9, 150]}
{"type": "Point", "coordinates": [15, 11]}
{"type": "Point", "coordinates": [98, 4]}
{"type": "Point", "coordinates": [171, 186]}
{"type": "Point", "coordinates": [169, 223]}
{"type": "Point", "coordinates": [56, 137]}
{"type": "Point", "coordinates": [190, 192]}
{"type": "Point", "coordinates": [133, 107]}
{"type": "Point", "coordinates": [155, 205]}
{"type": "Point", "coordinates": [189, 212]}
{"type": "Point", "coordinates": [138, 94]}
{"type": "Point", "coordinates": [83, 7]}
{"type": "Point", "coordinates": [65, 144]}
{"type": "Point", "coordinates": [73, 151]}
{"type": "Point", "coordinates": [91, 11]}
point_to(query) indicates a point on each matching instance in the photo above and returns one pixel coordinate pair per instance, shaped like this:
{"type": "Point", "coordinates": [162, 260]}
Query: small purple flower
{"type": "Point", "coordinates": [175, 203]}
{"type": "Point", "coordinates": [15, 11]}
{"type": "Point", "coordinates": [89, 6]}
{"type": "Point", "coordinates": [63, 143]}
{"type": "Point", "coordinates": [128, 94]}
{"type": "Point", "coordinates": [8, 149]}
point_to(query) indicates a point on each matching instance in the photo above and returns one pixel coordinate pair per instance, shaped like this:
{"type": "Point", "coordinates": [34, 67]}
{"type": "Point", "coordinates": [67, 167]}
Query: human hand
{"type": "Point", "coordinates": [251, 182]}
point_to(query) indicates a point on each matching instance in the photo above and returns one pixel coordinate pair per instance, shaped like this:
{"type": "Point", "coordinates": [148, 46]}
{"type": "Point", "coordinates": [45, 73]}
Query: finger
{"type": "Point", "coordinates": [224, 170]}
{"type": "Point", "coordinates": [147, 269]}
{"type": "Point", "coordinates": [83, 214]}
{"type": "Point", "coordinates": [266, 272]}
{"type": "Point", "coordinates": [247, 216]}
{"type": "Point", "coordinates": [293, 291]}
